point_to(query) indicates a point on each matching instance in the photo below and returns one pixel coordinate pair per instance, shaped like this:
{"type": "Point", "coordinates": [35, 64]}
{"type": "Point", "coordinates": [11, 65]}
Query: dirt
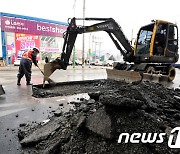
{"type": "Point", "coordinates": [94, 125]}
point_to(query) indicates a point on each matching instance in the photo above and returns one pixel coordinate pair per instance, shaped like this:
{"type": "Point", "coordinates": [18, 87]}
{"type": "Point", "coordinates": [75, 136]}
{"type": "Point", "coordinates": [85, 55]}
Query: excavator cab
{"type": "Point", "coordinates": [157, 43]}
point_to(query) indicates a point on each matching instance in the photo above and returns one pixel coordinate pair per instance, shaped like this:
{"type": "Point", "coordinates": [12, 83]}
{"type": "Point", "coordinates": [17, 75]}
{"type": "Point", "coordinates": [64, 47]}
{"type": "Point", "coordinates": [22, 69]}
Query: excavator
{"type": "Point", "coordinates": [151, 57]}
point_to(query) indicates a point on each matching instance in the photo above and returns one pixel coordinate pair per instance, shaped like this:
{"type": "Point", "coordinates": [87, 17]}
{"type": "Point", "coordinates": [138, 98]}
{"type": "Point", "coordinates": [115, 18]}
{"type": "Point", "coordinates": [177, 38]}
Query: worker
{"type": "Point", "coordinates": [28, 57]}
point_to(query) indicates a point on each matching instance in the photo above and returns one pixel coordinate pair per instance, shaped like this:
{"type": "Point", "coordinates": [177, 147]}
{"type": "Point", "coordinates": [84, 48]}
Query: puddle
{"type": "Point", "coordinates": [64, 101]}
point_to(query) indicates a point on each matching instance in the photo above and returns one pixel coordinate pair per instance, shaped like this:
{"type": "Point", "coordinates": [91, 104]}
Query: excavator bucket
{"type": "Point", "coordinates": [132, 76]}
{"type": "Point", "coordinates": [49, 68]}
{"type": "Point", "coordinates": [1, 90]}
{"type": "Point", "coordinates": [123, 75]}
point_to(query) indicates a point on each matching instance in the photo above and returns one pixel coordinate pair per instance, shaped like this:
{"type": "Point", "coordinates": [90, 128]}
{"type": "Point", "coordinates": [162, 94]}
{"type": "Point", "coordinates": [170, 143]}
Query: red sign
{"type": "Point", "coordinates": [19, 25]}
{"type": "Point", "coordinates": [26, 41]}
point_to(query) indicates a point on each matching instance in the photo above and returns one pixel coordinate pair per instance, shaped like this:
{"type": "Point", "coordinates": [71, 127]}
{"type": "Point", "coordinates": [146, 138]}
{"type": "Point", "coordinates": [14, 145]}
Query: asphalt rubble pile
{"type": "Point", "coordinates": [94, 125]}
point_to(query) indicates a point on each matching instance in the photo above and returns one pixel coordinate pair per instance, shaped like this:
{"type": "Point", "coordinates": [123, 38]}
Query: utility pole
{"type": "Point", "coordinates": [132, 37]}
{"type": "Point", "coordinates": [83, 46]}
{"type": "Point", "coordinates": [74, 8]}
{"type": "Point", "coordinates": [74, 49]}
{"type": "Point", "coordinates": [89, 51]}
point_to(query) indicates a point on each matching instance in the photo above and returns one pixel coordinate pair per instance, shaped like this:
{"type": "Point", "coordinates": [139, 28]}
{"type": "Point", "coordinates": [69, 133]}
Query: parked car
{"type": "Point", "coordinates": [98, 63]}
{"type": "Point", "coordinates": [92, 62]}
{"type": "Point", "coordinates": [78, 62]}
{"type": "Point", "coordinates": [17, 62]}
{"type": "Point", "coordinates": [108, 63]}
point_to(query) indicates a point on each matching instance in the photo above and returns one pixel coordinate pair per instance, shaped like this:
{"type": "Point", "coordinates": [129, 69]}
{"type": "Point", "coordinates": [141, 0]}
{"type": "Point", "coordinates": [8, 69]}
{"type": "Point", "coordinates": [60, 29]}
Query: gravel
{"type": "Point", "coordinates": [94, 125]}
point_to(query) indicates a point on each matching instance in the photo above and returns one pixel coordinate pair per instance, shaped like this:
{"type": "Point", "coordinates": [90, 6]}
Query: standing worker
{"type": "Point", "coordinates": [28, 57]}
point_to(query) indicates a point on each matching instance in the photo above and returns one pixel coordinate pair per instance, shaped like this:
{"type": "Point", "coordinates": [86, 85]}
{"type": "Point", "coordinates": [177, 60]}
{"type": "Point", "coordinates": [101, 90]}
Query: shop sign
{"type": "Point", "coordinates": [26, 41]}
{"type": "Point", "coordinates": [19, 25]}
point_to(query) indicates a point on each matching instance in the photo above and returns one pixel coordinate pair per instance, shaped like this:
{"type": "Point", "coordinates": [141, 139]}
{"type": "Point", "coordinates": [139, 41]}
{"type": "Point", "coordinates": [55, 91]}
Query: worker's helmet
{"type": "Point", "coordinates": [36, 49]}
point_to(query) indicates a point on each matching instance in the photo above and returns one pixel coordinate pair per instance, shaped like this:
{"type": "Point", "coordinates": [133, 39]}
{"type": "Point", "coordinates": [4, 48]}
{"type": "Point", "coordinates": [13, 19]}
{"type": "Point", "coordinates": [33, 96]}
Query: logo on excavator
{"type": "Point", "coordinates": [105, 26]}
{"type": "Point", "coordinates": [173, 142]}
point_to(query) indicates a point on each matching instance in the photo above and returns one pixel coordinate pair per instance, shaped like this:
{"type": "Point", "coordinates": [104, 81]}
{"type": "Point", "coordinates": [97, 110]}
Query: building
{"type": "Point", "coordinates": [22, 32]}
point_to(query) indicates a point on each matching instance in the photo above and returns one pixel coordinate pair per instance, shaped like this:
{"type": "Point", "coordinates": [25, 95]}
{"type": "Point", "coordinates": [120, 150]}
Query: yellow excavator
{"type": "Point", "coordinates": [151, 58]}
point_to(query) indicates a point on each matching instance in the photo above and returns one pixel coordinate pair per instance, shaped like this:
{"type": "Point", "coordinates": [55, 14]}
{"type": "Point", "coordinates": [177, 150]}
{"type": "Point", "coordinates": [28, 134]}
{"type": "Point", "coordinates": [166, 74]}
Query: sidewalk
{"type": "Point", "coordinates": [15, 68]}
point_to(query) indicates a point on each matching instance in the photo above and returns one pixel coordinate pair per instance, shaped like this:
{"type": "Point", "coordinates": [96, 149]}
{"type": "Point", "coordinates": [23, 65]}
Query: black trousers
{"type": "Point", "coordinates": [25, 69]}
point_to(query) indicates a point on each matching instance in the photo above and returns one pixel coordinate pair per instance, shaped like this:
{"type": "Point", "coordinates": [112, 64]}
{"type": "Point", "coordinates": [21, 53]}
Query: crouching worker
{"type": "Point", "coordinates": [28, 57]}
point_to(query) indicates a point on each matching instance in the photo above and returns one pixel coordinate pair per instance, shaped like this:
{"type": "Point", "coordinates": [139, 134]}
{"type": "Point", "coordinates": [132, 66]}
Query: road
{"type": "Point", "coordinates": [17, 106]}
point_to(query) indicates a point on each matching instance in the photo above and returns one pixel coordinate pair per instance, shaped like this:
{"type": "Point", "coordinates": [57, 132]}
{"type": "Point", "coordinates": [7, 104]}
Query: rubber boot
{"type": "Point", "coordinates": [18, 82]}
{"type": "Point", "coordinates": [28, 83]}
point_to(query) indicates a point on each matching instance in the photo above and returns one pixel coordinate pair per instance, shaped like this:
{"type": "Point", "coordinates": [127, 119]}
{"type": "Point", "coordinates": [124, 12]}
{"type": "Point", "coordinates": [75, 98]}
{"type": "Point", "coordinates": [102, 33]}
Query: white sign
{"type": "Point", "coordinates": [152, 138]}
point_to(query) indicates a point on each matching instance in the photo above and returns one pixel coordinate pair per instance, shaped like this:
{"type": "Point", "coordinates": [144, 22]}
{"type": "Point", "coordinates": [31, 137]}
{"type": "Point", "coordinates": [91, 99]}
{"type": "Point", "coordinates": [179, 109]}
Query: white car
{"type": "Point", "coordinates": [17, 62]}
{"type": "Point", "coordinates": [98, 63]}
{"type": "Point", "coordinates": [78, 62]}
{"type": "Point", "coordinates": [108, 63]}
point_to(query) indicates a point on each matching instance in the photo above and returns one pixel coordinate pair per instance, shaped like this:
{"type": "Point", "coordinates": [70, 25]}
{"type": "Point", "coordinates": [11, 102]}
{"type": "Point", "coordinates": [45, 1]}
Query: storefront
{"type": "Point", "coordinates": [21, 32]}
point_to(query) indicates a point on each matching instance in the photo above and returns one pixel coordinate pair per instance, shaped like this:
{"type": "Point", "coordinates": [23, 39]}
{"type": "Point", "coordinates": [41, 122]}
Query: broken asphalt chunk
{"type": "Point", "coordinates": [95, 95]}
{"type": "Point", "coordinates": [42, 133]}
{"type": "Point", "coordinates": [100, 123]}
{"type": "Point", "coordinates": [121, 102]}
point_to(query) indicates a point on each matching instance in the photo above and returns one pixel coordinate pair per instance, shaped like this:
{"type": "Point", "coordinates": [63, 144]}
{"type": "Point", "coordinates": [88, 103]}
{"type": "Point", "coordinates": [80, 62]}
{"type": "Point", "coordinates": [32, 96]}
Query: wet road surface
{"type": "Point", "coordinates": [17, 106]}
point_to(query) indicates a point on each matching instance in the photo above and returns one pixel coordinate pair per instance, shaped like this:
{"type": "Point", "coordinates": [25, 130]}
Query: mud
{"type": "Point", "coordinates": [94, 125]}
{"type": "Point", "coordinates": [70, 88]}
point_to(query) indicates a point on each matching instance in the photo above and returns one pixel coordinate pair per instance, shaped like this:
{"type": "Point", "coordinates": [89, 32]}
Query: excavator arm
{"type": "Point", "coordinates": [108, 25]}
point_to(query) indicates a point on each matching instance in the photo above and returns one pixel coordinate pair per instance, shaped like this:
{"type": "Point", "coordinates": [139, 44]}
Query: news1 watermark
{"type": "Point", "coordinates": [173, 140]}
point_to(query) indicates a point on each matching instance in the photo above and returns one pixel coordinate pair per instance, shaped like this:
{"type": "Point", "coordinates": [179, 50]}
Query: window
{"type": "Point", "coordinates": [50, 47]}
{"type": "Point", "coordinates": [172, 39]}
{"type": "Point", "coordinates": [144, 39]}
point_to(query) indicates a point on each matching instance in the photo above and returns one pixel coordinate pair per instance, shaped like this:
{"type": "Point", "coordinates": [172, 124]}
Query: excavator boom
{"type": "Point", "coordinates": [108, 25]}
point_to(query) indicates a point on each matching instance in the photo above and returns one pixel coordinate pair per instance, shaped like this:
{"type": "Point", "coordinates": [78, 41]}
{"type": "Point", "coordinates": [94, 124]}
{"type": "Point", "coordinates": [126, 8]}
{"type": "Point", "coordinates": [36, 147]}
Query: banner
{"type": "Point", "coordinates": [19, 25]}
{"type": "Point", "coordinates": [26, 41]}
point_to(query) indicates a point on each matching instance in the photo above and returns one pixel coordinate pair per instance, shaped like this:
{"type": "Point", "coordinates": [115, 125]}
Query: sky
{"type": "Point", "coordinates": [130, 14]}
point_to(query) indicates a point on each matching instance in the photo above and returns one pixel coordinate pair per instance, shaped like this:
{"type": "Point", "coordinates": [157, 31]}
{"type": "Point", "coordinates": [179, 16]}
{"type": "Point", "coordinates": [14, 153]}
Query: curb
{"type": "Point", "coordinates": [16, 68]}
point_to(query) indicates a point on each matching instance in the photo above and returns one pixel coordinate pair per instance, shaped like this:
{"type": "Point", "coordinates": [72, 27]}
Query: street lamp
{"type": "Point", "coordinates": [89, 48]}
{"type": "Point", "coordinates": [83, 34]}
